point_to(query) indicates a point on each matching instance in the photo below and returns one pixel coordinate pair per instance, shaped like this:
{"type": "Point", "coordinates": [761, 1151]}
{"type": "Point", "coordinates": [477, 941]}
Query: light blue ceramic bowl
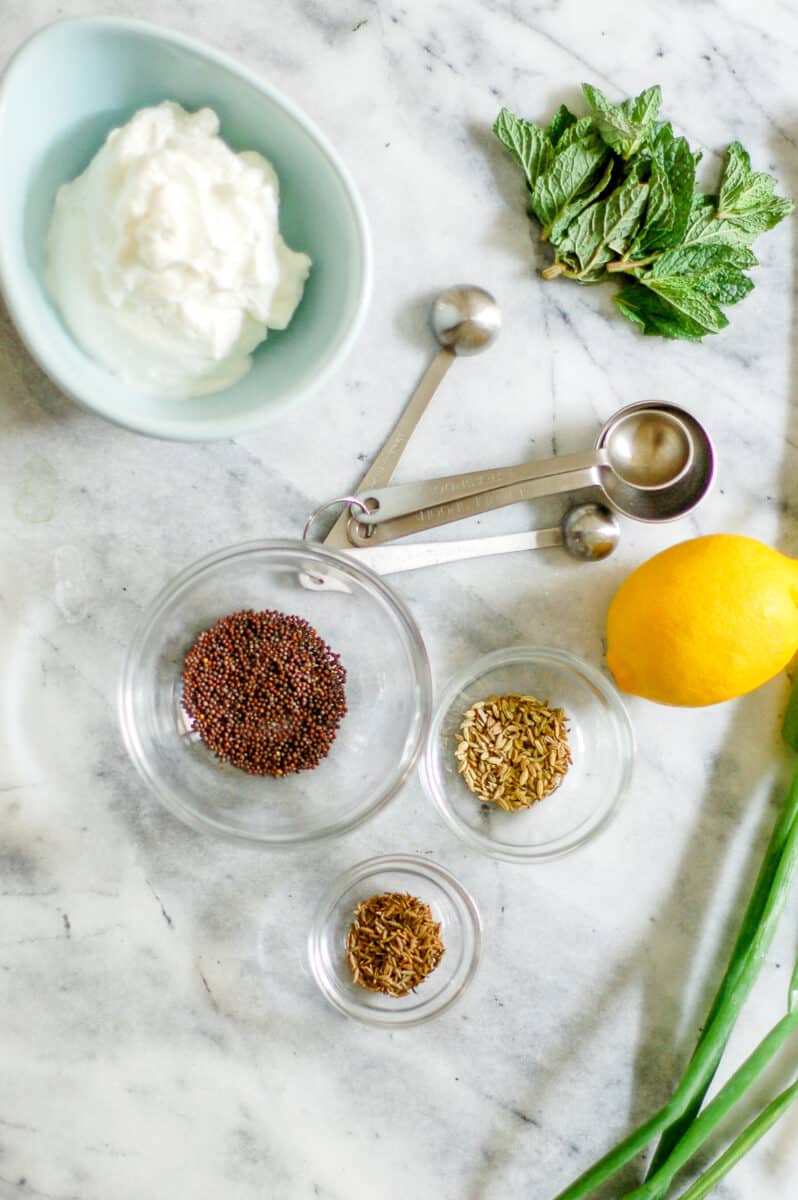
{"type": "Point", "coordinates": [61, 94]}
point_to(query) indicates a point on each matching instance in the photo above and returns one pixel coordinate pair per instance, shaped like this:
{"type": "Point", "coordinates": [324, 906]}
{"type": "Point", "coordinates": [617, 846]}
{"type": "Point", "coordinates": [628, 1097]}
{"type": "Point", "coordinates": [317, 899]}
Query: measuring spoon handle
{"type": "Point", "coordinates": [391, 560]}
{"type": "Point", "coordinates": [384, 465]}
{"type": "Point", "coordinates": [471, 506]}
{"type": "Point", "coordinates": [390, 502]}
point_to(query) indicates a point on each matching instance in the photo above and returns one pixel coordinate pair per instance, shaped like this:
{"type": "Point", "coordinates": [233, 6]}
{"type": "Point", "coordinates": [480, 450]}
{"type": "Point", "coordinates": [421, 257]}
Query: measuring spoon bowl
{"type": "Point", "coordinates": [466, 319]}
{"type": "Point", "coordinates": [649, 448]}
{"type": "Point", "coordinates": [655, 505]}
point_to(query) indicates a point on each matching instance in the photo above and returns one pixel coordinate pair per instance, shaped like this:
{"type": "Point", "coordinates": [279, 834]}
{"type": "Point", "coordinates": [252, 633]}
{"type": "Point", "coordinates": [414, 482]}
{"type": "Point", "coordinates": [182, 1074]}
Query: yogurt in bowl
{"type": "Point", "coordinates": [165, 256]}
{"type": "Point", "coordinates": [108, 69]}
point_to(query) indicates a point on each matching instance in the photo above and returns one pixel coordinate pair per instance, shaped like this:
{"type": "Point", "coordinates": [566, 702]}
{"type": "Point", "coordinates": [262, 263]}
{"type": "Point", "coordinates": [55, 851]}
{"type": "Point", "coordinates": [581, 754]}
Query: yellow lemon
{"type": "Point", "coordinates": [703, 621]}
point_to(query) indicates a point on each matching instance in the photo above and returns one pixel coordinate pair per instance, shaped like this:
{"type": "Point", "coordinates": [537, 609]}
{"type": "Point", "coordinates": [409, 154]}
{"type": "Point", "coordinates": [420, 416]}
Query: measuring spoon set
{"type": "Point", "coordinates": [651, 462]}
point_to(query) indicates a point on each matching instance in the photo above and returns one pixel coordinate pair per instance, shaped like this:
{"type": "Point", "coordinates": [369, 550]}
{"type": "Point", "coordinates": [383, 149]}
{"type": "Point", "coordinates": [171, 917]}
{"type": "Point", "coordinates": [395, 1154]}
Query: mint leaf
{"type": "Point", "coordinates": [746, 197]}
{"type": "Point", "coordinates": [712, 270]}
{"type": "Point", "coordinates": [562, 120]}
{"type": "Point", "coordinates": [573, 171]}
{"type": "Point", "coordinates": [699, 222]}
{"type": "Point", "coordinates": [578, 204]}
{"type": "Point", "coordinates": [527, 142]}
{"type": "Point", "coordinates": [624, 127]}
{"type": "Point", "coordinates": [672, 184]}
{"type": "Point", "coordinates": [660, 213]}
{"type": "Point", "coordinates": [702, 259]}
{"type": "Point", "coordinates": [691, 260]}
{"type": "Point", "coordinates": [642, 110]}
{"type": "Point", "coordinates": [726, 285]}
{"type": "Point", "coordinates": [693, 282]}
{"type": "Point", "coordinates": [689, 301]}
{"type": "Point", "coordinates": [654, 315]}
{"type": "Point", "coordinates": [605, 229]}
{"type": "Point", "coordinates": [574, 133]}
{"type": "Point", "coordinates": [704, 228]}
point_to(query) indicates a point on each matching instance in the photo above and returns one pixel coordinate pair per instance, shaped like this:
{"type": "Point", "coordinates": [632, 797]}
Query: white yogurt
{"type": "Point", "coordinates": [165, 256]}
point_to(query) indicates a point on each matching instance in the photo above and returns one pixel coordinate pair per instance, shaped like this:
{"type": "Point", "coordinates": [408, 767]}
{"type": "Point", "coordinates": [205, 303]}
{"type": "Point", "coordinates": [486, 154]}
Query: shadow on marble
{"type": "Point", "coordinates": [783, 1140]}
{"type": "Point", "coordinates": [786, 540]}
{"type": "Point", "coordinates": [412, 322]}
{"type": "Point", "coordinates": [661, 964]}
{"type": "Point", "coordinates": [27, 396]}
{"type": "Point", "coordinates": [731, 776]}
{"type": "Point", "coordinates": [665, 963]}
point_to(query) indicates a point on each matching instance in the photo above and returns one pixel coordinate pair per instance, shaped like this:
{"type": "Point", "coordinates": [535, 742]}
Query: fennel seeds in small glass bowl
{"type": "Point", "coordinates": [600, 740]}
{"type": "Point", "coordinates": [513, 751]}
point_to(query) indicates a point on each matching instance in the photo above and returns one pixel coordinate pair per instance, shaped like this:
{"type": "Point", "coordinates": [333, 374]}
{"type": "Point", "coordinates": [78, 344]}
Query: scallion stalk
{"type": "Point", "coordinates": [752, 919]}
{"type": "Point", "coordinates": [756, 935]}
{"type": "Point", "coordinates": [789, 728]}
{"type": "Point", "coordinates": [702, 1186]}
{"type": "Point", "coordinates": [673, 1134]}
{"type": "Point", "coordinates": [717, 1109]}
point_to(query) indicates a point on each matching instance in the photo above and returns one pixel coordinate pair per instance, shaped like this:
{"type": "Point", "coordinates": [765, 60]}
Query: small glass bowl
{"type": "Point", "coordinates": [388, 695]}
{"type": "Point", "coordinates": [602, 748]}
{"type": "Point", "coordinates": [461, 933]}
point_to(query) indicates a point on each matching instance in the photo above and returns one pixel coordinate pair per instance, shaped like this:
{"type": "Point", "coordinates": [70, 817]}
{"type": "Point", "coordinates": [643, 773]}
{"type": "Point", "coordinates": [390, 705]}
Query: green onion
{"type": "Point", "coordinates": [676, 1121]}
{"type": "Point", "coordinates": [675, 1132]}
{"type": "Point", "coordinates": [789, 729]}
{"type": "Point", "coordinates": [756, 935]}
{"type": "Point", "coordinates": [741, 1145]}
{"type": "Point", "coordinates": [751, 921]}
{"type": "Point", "coordinates": [718, 1108]}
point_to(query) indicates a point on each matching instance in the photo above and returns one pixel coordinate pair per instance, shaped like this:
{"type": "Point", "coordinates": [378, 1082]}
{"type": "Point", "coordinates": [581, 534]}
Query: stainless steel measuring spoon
{"type": "Point", "coordinates": [650, 449]}
{"type": "Point", "coordinates": [465, 320]}
{"type": "Point", "coordinates": [652, 505]}
{"type": "Point", "coordinates": [588, 532]}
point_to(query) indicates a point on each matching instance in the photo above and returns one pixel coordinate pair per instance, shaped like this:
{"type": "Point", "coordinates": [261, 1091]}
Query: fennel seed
{"type": "Point", "coordinates": [513, 750]}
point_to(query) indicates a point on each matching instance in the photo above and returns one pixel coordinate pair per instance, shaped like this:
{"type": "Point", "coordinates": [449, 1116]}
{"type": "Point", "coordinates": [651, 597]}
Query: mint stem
{"type": "Point", "coordinates": [630, 264]}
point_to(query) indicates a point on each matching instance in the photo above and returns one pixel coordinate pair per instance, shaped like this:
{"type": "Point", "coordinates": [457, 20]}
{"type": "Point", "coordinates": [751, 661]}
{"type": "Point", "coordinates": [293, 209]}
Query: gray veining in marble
{"type": "Point", "coordinates": [160, 1035]}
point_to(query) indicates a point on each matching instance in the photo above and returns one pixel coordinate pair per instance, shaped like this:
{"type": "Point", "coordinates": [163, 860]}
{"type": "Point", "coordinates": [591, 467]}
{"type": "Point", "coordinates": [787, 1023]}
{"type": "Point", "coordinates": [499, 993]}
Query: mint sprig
{"type": "Point", "coordinates": [615, 195]}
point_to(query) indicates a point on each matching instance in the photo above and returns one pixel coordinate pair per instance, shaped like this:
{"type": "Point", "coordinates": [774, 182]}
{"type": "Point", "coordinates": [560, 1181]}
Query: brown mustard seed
{"type": "Point", "coordinates": [513, 751]}
{"type": "Point", "coordinates": [264, 692]}
{"type": "Point", "coordinates": [393, 943]}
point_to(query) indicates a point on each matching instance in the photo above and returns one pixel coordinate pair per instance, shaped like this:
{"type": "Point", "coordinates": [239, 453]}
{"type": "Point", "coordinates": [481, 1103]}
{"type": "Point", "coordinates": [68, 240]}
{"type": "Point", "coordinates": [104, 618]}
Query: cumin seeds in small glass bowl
{"type": "Point", "coordinates": [393, 944]}
{"type": "Point", "coordinates": [451, 908]}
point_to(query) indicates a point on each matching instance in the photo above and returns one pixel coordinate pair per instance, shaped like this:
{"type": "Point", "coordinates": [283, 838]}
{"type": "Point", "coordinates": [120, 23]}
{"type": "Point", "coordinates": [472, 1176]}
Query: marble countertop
{"type": "Point", "coordinates": [160, 1035]}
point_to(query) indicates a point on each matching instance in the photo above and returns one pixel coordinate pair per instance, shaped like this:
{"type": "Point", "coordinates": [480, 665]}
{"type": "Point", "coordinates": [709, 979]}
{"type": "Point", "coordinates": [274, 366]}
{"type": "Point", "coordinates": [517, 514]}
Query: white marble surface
{"type": "Point", "coordinates": [159, 1034]}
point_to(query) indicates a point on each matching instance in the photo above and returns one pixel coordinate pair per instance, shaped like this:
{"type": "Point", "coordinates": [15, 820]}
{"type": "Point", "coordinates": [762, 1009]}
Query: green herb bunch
{"type": "Point", "coordinates": [615, 195]}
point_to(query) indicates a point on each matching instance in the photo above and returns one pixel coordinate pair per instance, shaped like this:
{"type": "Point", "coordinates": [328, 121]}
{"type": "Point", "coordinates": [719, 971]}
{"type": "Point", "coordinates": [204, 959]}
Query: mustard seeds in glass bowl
{"type": "Point", "coordinates": [376, 742]}
{"type": "Point", "coordinates": [458, 934]}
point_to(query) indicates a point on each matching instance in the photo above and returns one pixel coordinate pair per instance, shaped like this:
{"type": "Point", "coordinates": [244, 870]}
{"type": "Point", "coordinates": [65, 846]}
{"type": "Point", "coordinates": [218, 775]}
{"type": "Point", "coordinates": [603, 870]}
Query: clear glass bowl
{"type": "Point", "coordinates": [461, 933]}
{"type": "Point", "coordinates": [602, 749]}
{"type": "Point", "coordinates": [388, 694]}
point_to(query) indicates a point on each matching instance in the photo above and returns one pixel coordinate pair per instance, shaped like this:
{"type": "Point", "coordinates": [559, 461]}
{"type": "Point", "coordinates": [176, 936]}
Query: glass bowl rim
{"type": "Point", "coordinates": [296, 548]}
{"type": "Point", "coordinates": [518, 655]}
{"type": "Point", "coordinates": [429, 869]}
